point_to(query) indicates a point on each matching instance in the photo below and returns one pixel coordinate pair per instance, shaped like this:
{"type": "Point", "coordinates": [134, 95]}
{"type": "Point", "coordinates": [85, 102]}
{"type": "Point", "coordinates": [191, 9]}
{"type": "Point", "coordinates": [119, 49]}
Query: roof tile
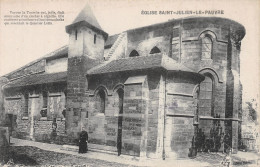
{"type": "Point", "coordinates": [139, 63]}
{"type": "Point", "coordinates": [36, 79]}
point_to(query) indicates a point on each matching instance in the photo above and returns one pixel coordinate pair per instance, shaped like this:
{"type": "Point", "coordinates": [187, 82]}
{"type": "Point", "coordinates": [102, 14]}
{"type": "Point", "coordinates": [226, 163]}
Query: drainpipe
{"type": "Point", "coordinates": [164, 116]}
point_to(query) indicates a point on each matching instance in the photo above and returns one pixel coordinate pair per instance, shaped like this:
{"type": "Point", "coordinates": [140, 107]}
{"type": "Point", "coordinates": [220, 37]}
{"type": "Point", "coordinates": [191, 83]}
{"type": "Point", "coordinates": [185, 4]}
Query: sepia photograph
{"type": "Point", "coordinates": [129, 83]}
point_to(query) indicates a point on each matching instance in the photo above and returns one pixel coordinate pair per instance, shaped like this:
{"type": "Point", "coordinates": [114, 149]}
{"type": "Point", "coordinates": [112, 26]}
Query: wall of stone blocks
{"type": "Point", "coordinates": [222, 53]}
{"type": "Point", "coordinates": [233, 103]}
{"type": "Point", "coordinates": [144, 40]}
{"type": "Point", "coordinates": [45, 127]}
{"type": "Point", "coordinates": [235, 60]}
{"type": "Point", "coordinates": [134, 138]}
{"type": "Point", "coordinates": [103, 127]}
{"type": "Point", "coordinates": [175, 42]}
{"type": "Point", "coordinates": [21, 126]}
{"type": "Point", "coordinates": [179, 134]}
{"type": "Point", "coordinates": [56, 65]}
{"type": "Point", "coordinates": [235, 136]}
{"type": "Point", "coordinates": [191, 56]}
{"type": "Point", "coordinates": [22, 130]}
{"type": "Point", "coordinates": [219, 107]}
{"type": "Point", "coordinates": [156, 86]}
{"type": "Point", "coordinates": [229, 94]}
{"type": "Point", "coordinates": [76, 101]}
{"type": "Point", "coordinates": [140, 114]}
{"type": "Point", "coordinates": [179, 125]}
{"type": "Point", "coordinates": [83, 54]}
{"type": "Point", "coordinates": [181, 107]}
{"type": "Point", "coordinates": [13, 105]}
{"type": "Point", "coordinates": [43, 130]}
{"type": "Point", "coordinates": [34, 125]}
{"type": "Point", "coordinates": [98, 124]}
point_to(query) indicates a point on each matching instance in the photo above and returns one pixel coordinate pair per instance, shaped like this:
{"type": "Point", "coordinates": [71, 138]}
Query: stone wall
{"type": "Point", "coordinates": [21, 126]}
{"type": "Point", "coordinates": [179, 126]}
{"type": "Point", "coordinates": [139, 118]}
{"type": "Point", "coordinates": [84, 43]}
{"type": "Point", "coordinates": [103, 127]}
{"type": "Point", "coordinates": [156, 85]}
{"type": "Point", "coordinates": [214, 68]}
{"type": "Point", "coordinates": [43, 131]}
{"type": "Point", "coordinates": [86, 50]}
{"type": "Point", "coordinates": [143, 113]}
{"type": "Point", "coordinates": [133, 120]}
{"type": "Point", "coordinates": [224, 56]}
{"type": "Point", "coordinates": [56, 65]}
{"type": "Point", "coordinates": [76, 101]}
{"type": "Point", "coordinates": [33, 125]}
{"type": "Point", "coordinates": [181, 107]}
{"type": "Point", "coordinates": [143, 40]}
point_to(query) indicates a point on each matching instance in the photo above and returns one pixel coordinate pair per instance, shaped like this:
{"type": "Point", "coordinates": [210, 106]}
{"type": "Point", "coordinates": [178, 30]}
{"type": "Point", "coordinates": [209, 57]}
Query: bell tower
{"type": "Point", "coordinates": [85, 50]}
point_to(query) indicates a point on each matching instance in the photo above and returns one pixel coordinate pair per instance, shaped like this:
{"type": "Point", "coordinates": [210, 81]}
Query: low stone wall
{"type": "Point", "coordinates": [45, 127]}
{"type": "Point", "coordinates": [43, 132]}
{"type": "Point", "coordinates": [22, 130]}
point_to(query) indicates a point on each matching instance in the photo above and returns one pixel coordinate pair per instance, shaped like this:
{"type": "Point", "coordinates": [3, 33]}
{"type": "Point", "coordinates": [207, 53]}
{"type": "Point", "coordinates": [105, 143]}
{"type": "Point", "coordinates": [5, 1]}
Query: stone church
{"type": "Point", "coordinates": [146, 92]}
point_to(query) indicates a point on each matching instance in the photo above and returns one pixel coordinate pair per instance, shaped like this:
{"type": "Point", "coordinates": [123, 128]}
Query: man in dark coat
{"type": "Point", "coordinates": [83, 145]}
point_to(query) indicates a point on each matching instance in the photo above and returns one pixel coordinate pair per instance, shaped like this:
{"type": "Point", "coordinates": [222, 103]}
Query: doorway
{"type": "Point", "coordinates": [120, 93]}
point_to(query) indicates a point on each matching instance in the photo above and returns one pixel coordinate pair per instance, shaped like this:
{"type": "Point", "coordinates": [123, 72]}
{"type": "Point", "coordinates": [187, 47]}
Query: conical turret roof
{"type": "Point", "coordinates": [86, 18]}
{"type": "Point", "coordinates": [87, 15]}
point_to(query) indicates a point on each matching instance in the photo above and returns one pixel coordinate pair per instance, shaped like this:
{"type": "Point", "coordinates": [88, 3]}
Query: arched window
{"type": "Point", "coordinates": [206, 98]}
{"type": "Point", "coordinates": [206, 48]}
{"type": "Point", "coordinates": [101, 101]}
{"type": "Point", "coordinates": [134, 53]}
{"type": "Point", "coordinates": [155, 50]}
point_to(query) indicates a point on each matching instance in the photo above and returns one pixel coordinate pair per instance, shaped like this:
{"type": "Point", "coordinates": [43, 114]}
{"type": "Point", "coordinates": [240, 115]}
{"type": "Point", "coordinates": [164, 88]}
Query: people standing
{"type": "Point", "coordinates": [83, 142]}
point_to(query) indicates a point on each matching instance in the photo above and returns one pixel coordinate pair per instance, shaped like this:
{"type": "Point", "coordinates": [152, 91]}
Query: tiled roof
{"type": "Point", "coordinates": [63, 51]}
{"type": "Point", "coordinates": [111, 40]}
{"type": "Point", "coordinates": [36, 79]}
{"type": "Point", "coordinates": [139, 63]}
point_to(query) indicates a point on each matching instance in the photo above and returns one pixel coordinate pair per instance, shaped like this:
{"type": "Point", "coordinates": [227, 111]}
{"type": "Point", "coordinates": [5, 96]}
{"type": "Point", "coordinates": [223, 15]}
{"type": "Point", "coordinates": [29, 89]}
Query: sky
{"type": "Point", "coordinates": [21, 44]}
